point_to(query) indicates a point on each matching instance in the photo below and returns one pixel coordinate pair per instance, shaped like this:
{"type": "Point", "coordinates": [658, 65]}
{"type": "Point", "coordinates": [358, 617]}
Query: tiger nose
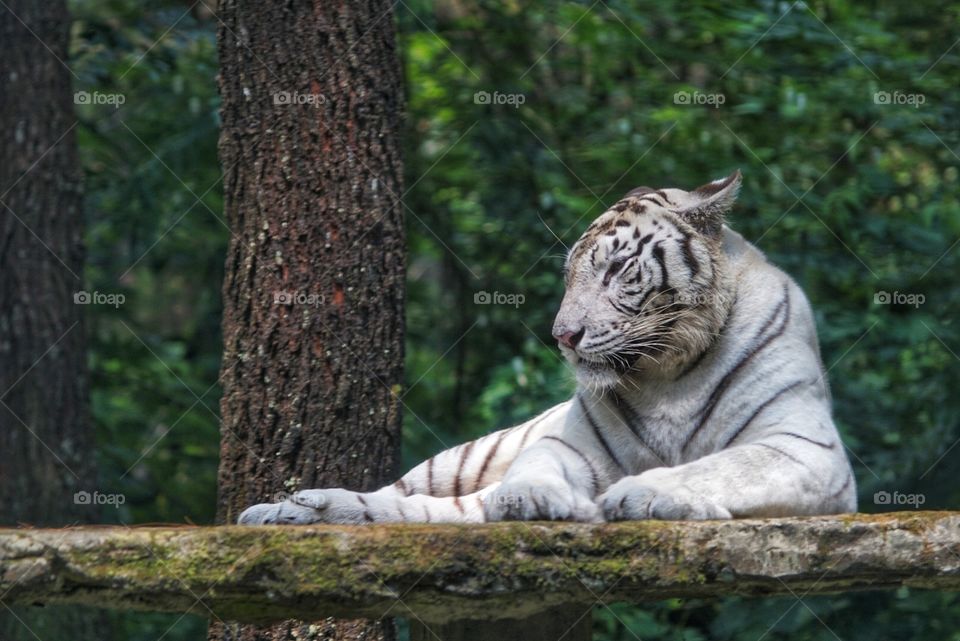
{"type": "Point", "coordinates": [569, 338]}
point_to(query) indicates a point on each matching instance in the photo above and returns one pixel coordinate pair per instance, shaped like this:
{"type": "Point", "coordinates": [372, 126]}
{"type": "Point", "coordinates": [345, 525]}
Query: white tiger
{"type": "Point", "coordinates": [701, 393]}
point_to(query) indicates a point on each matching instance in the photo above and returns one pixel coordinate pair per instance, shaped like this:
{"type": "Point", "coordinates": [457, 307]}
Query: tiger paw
{"type": "Point", "coordinates": [283, 513]}
{"type": "Point", "coordinates": [311, 506]}
{"type": "Point", "coordinates": [636, 498]}
{"type": "Point", "coordinates": [551, 500]}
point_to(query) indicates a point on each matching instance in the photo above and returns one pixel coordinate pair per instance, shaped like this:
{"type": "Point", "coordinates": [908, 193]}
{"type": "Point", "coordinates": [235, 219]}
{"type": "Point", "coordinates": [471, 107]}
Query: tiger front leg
{"type": "Point", "coordinates": [388, 505]}
{"type": "Point", "coordinates": [781, 474]}
{"type": "Point", "coordinates": [545, 483]}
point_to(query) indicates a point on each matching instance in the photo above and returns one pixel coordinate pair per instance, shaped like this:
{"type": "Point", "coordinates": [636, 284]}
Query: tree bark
{"type": "Point", "coordinates": [46, 436]}
{"type": "Point", "coordinates": [313, 291]}
{"type": "Point", "coordinates": [441, 574]}
{"type": "Point", "coordinates": [45, 432]}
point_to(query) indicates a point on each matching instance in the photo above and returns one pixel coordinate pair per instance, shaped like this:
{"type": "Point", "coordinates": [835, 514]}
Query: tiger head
{"type": "Point", "coordinates": [646, 285]}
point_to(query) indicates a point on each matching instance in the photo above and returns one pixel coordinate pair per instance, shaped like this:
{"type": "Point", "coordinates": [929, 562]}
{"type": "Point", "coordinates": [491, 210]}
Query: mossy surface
{"type": "Point", "coordinates": [444, 572]}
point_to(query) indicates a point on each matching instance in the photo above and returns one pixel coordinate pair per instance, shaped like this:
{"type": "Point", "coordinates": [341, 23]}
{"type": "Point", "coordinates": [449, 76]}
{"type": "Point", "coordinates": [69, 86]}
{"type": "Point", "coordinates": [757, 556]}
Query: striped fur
{"type": "Point", "coordinates": [701, 393]}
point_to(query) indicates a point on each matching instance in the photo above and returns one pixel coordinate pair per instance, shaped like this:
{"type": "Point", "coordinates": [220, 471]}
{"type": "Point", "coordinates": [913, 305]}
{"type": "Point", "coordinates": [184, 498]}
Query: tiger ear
{"type": "Point", "coordinates": [709, 203]}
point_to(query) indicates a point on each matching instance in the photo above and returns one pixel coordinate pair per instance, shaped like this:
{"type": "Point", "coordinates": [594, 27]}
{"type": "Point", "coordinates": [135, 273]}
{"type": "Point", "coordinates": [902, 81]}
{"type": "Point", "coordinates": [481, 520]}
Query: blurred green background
{"type": "Point", "coordinates": [842, 116]}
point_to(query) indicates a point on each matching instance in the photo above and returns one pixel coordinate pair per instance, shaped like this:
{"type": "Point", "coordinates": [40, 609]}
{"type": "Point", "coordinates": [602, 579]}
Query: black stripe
{"type": "Point", "coordinates": [689, 259]}
{"type": "Point", "coordinates": [725, 382]}
{"type": "Point", "coordinates": [430, 476]}
{"type": "Point", "coordinates": [658, 255]}
{"type": "Point", "coordinates": [699, 359]}
{"type": "Point", "coordinates": [606, 342]}
{"type": "Point", "coordinates": [782, 453]}
{"type": "Point", "coordinates": [464, 455]}
{"type": "Point", "coordinates": [826, 446]}
{"type": "Point", "coordinates": [663, 195]}
{"type": "Point", "coordinates": [526, 433]}
{"type": "Point", "coordinates": [487, 460]}
{"type": "Point", "coordinates": [586, 461]}
{"type": "Point", "coordinates": [758, 410]}
{"type": "Point", "coordinates": [620, 308]}
{"type": "Point", "coordinates": [550, 412]}
{"type": "Point", "coordinates": [652, 198]}
{"type": "Point", "coordinates": [631, 419]}
{"type": "Point", "coordinates": [845, 485]}
{"type": "Point", "coordinates": [402, 485]}
{"type": "Point", "coordinates": [599, 434]}
{"type": "Point", "coordinates": [643, 301]}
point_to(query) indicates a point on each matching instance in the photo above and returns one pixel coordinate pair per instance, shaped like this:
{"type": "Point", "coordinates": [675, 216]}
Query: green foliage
{"type": "Point", "coordinates": [878, 212]}
{"type": "Point", "coordinates": [491, 186]}
{"type": "Point", "coordinates": [155, 235]}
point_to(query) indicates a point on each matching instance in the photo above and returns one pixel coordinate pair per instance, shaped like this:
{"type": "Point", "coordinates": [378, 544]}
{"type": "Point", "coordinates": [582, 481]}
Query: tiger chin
{"type": "Point", "coordinates": [701, 393]}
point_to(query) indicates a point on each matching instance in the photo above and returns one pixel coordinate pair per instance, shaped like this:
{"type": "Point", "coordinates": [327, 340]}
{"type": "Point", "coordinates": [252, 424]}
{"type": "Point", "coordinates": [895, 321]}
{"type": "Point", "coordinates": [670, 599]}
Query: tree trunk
{"type": "Point", "coordinates": [44, 426]}
{"type": "Point", "coordinates": [313, 291]}
{"type": "Point", "coordinates": [45, 432]}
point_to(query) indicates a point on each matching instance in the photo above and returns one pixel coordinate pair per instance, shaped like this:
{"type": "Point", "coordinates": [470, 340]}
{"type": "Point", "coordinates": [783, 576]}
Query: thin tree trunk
{"type": "Point", "coordinates": [46, 441]}
{"type": "Point", "coordinates": [313, 291]}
